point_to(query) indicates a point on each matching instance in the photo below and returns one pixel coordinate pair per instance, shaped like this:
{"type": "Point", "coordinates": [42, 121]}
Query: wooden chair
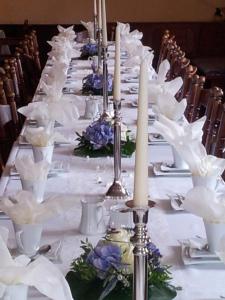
{"type": "Point", "coordinates": [220, 138]}
{"type": "Point", "coordinates": [212, 125]}
{"type": "Point", "coordinates": [9, 126]}
{"type": "Point", "coordinates": [3, 99]}
{"type": "Point", "coordinates": [175, 59]}
{"type": "Point", "coordinates": [187, 77]}
{"type": "Point", "coordinates": [166, 42]}
{"type": "Point", "coordinates": [193, 97]}
{"type": "Point", "coordinates": [113, 33]}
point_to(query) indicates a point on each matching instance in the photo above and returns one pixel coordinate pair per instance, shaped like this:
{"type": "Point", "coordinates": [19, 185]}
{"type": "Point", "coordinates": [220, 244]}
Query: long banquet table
{"type": "Point", "coordinates": [166, 226]}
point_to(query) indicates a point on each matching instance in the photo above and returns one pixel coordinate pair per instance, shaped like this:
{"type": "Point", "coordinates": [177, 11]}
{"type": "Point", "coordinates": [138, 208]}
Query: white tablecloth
{"type": "Point", "coordinates": [166, 226]}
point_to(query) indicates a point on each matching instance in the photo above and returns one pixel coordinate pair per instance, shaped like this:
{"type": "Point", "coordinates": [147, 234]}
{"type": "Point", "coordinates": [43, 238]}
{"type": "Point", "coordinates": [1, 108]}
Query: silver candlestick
{"type": "Point", "coordinates": [99, 35]}
{"type": "Point", "coordinates": [105, 84]}
{"type": "Point", "coordinates": [117, 190]}
{"type": "Point", "coordinates": [140, 240]}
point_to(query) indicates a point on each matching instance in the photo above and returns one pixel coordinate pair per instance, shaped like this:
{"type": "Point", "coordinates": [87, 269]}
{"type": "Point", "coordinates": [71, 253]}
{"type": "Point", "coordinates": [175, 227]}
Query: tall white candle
{"type": "Point", "coordinates": [100, 14]}
{"type": "Point", "coordinates": [95, 8]}
{"type": "Point", "coordinates": [141, 156]}
{"type": "Point", "coordinates": [116, 88]}
{"type": "Point", "coordinates": [104, 25]}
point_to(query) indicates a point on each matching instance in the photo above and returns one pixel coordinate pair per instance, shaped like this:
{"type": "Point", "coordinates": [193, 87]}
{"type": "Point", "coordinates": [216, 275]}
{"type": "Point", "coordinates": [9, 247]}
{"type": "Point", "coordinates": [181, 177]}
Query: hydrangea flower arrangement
{"type": "Point", "coordinates": [106, 271]}
{"type": "Point", "coordinates": [98, 139]}
{"type": "Point", "coordinates": [93, 84]}
{"type": "Point", "coordinates": [89, 50]}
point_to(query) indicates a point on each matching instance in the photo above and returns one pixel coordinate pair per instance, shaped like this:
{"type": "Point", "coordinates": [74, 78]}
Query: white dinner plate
{"type": "Point", "coordinates": [155, 139]}
{"type": "Point", "coordinates": [158, 172]}
{"type": "Point", "coordinates": [170, 168]}
{"type": "Point", "coordinates": [200, 260]}
{"type": "Point", "coordinates": [57, 168]}
{"type": "Point", "coordinates": [133, 90]}
{"type": "Point", "coordinates": [24, 143]}
{"type": "Point", "coordinates": [131, 80]}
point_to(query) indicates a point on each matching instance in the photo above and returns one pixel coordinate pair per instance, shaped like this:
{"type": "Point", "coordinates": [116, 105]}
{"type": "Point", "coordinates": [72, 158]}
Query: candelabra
{"type": "Point", "coordinates": [117, 190]}
{"type": "Point", "coordinates": [140, 240]}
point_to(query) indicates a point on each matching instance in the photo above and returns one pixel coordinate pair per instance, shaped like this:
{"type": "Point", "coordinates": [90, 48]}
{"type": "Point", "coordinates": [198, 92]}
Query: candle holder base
{"type": "Point", "coordinates": [117, 190]}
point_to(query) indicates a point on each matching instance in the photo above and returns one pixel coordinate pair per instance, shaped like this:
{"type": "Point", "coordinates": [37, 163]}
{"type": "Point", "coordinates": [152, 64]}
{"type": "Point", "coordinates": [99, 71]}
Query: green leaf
{"type": "Point", "coordinates": [162, 292]}
{"type": "Point", "coordinates": [82, 289]}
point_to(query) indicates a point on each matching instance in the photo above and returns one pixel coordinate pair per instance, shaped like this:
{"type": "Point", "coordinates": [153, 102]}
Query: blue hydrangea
{"type": "Point", "coordinates": [95, 81]}
{"type": "Point", "coordinates": [89, 49]}
{"type": "Point", "coordinates": [99, 134]}
{"type": "Point", "coordinates": [105, 256]}
{"type": "Point", "coordinates": [154, 255]}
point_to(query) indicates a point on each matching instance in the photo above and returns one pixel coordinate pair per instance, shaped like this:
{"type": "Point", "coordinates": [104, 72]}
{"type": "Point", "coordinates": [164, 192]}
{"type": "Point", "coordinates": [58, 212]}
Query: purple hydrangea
{"type": "Point", "coordinates": [95, 82]}
{"type": "Point", "coordinates": [89, 50]}
{"type": "Point", "coordinates": [154, 255]}
{"type": "Point", "coordinates": [104, 256]}
{"type": "Point", "coordinates": [99, 134]}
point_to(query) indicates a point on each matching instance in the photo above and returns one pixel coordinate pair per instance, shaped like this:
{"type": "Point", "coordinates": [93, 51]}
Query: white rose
{"type": "Point", "coordinates": [121, 238]}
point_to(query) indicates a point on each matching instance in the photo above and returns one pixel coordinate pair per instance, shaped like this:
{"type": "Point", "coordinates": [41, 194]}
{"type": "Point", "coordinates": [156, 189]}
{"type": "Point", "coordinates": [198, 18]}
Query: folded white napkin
{"type": "Point", "coordinates": [205, 203]}
{"type": "Point", "coordinates": [67, 33]}
{"type": "Point", "coordinates": [52, 90]}
{"type": "Point", "coordinates": [186, 138]}
{"type": "Point", "coordinates": [199, 162]}
{"type": "Point", "coordinates": [133, 37]}
{"type": "Point", "coordinates": [29, 170]}
{"type": "Point", "coordinates": [163, 70]}
{"type": "Point", "coordinates": [134, 50]}
{"type": "Point", "coordinates": [135, 58]}
{"type": "Point", "coordinates": [90, 28]}
{"type": "Point", "coordinates": [124, 28]}
{"type": "Point", "coordinates": [36, 111]}
{"type": "Point", "coordinates": [20, 270]}
{"type": "Point", "coordinates": [4, 233]}
{"type": "Point", "coordinates": [159, 84]}
{"type": "Point", "coordinates": [65, 112]}
{"type": "Point", "coordinates": [62, 50]}
{"type": "Point", "coordinates": [179, 133]}
{"type": "Point", "coordinates": [167, 105]}
{"type": "Point", "coordinates": [57, 74]}
{"type": "Point", "coordinates": [39, 137]}
{"type": "Point", "coordinates": [23, 208]}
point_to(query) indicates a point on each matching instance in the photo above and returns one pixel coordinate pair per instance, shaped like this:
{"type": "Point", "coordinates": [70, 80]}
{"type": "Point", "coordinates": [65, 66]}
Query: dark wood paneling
{"type": "Point", "coordinates": [197, 39]}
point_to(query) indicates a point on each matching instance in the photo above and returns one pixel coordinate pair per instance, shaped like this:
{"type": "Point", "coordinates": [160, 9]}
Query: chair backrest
{"type": "Point", "coordinates": [166, 42]}
{"type": "Point", "coordinates": [212, 113]}
{"type": "Point", "coordinates": [219, 148]}
{"type": "Point", "coordinates": [176, 59]}
{"type": "Point", "coordinates": [8, 128]}
{"type": "Point", "coordinates": [193, 97]}
{"type": "Point", "coordinates": [188, 76]}
{"type": "Point", "coordinates": [3, 99]}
